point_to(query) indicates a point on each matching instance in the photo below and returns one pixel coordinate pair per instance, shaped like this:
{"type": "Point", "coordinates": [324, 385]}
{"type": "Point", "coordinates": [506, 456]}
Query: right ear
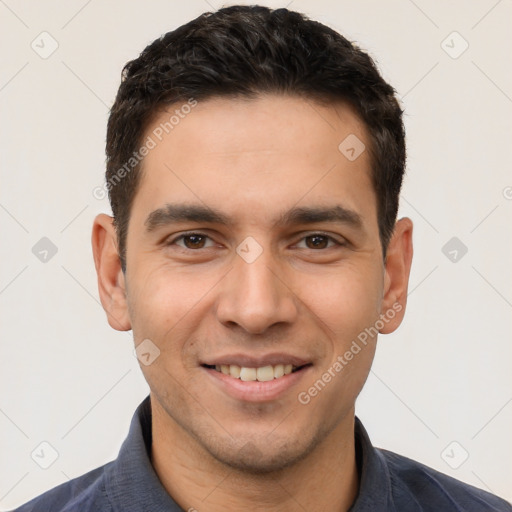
{"type": "Point", "coordinates": [111, 279]}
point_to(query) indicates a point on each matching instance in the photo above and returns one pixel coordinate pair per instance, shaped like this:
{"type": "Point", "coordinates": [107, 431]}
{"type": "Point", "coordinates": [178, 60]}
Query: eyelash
{"type": "Point", "coordinates": [197, 233]}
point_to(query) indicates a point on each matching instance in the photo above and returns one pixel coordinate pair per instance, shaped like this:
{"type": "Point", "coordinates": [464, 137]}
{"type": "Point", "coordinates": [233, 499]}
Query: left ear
{"type": "Point", "coordinates": [396, 276]}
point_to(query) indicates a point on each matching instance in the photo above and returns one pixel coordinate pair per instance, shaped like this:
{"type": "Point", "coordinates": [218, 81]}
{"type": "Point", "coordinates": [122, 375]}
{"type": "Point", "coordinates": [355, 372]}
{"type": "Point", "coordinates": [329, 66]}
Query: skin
{"type": "Point", "coordinates": [197, 299]}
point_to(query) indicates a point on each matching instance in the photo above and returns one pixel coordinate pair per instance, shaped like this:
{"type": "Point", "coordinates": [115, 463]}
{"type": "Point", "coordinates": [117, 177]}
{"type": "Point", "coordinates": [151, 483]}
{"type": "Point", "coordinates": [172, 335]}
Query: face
{"type": "Point", "coordinates": [253, 251]}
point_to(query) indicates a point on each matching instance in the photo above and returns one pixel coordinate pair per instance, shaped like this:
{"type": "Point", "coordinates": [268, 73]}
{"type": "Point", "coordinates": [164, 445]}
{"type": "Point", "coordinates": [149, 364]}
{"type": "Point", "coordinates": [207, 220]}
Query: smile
{"type": "Point", "coordinates": [257, 383]}
{"type": "Point", "coordinates": [260, 374]}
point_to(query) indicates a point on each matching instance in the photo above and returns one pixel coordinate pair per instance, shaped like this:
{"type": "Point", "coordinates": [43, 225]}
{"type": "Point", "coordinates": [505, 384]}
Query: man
{"type": "Point", "coordinates": [254, 164]}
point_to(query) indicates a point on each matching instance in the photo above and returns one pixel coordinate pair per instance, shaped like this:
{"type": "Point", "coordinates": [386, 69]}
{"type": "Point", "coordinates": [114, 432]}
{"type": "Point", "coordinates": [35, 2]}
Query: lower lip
{"type": "Point", "coordinates": [255, 391]}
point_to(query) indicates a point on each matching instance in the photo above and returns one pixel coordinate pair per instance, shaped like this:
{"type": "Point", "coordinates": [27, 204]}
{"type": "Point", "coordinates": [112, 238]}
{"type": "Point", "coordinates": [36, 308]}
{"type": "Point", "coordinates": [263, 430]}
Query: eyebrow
{"type": "Point", "coordinates": [174, 213]}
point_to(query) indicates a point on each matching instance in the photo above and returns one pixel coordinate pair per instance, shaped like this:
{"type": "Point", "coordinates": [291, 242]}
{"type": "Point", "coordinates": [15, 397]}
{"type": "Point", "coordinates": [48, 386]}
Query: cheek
{"type": "Point", "coordinates": [166, 306]}
{"type": "Point", "coordinates": [346, 301]}
{"type": "Point", "coordinates": [345, 305]}
{"type": "Point", "coordinates": [165, 301]}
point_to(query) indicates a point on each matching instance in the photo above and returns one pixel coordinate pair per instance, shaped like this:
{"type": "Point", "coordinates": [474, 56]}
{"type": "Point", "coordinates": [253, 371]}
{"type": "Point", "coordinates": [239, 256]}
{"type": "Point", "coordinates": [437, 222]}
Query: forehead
{"type": "Point", "coordinates": [259, 156]}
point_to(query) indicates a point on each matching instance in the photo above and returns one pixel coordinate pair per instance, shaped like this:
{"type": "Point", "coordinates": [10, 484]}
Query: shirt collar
{"type": "Point", "coordinates": [132, 484]}
{"type": "Point", "coordinates": [374, 477]}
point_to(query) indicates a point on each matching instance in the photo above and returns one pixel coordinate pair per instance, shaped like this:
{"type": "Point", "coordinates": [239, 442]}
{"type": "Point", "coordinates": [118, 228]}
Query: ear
{"type": "Point", "coordinates": [111, 279]}
{"type": "Point", "coordinates": [396, 277]}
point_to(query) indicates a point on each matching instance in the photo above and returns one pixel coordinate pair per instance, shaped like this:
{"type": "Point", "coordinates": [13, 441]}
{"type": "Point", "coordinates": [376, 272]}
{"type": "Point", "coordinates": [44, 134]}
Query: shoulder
{"type": "Point", "coordinates": [84, 493]}
{"type": "Point", "coordinates": [415, 484]}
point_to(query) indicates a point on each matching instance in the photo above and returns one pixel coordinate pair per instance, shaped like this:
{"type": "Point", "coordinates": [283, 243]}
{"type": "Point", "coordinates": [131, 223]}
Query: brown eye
{"type": "Point", "coordinates": [317, 241]}
{"type": "Point", "coordinates": [194, 241]}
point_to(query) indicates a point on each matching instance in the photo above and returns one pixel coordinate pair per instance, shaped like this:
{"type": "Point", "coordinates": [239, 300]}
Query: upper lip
{"type": "Point", "coordinates": [251, 361]}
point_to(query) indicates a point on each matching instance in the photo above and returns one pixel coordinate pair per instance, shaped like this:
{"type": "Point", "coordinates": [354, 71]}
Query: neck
{"type": "Point", "coordinates": [326, 479]}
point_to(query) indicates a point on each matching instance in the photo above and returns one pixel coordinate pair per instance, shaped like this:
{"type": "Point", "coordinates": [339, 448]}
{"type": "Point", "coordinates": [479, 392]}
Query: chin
{"type": "Point", "coordinates": [261, 457]}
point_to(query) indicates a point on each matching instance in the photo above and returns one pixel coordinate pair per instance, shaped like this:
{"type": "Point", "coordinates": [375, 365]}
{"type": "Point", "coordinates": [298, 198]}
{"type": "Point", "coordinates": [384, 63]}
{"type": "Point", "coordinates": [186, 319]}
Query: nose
{"type": "Point", "coordinates": [255, 295]}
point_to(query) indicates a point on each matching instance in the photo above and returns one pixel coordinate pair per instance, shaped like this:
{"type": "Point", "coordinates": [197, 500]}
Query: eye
{"type": "Point", "coordinates": [319, 241]}
{"type": "Point", "coordinates": [192, 241]}
{"type": "Point", "coordinates": [195, 241]}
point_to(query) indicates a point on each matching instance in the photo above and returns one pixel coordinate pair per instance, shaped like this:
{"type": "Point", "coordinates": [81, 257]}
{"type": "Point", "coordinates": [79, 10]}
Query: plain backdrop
{"type": "Point", "coordinates": [440, 390]}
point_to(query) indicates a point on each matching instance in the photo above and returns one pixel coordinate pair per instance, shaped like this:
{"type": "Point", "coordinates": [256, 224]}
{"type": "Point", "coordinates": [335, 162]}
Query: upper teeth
{"type": "Point", "coordinates": [262, 374]}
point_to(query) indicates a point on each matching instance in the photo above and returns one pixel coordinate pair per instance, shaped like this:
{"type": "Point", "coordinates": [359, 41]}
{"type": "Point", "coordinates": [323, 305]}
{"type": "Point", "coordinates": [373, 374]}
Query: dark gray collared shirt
{"type": "Point", "coordinates": [388, 482]}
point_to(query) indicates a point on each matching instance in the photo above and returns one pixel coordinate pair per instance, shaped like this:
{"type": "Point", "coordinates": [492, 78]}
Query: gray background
{"type": "Point", "coordinates": [440, 390]}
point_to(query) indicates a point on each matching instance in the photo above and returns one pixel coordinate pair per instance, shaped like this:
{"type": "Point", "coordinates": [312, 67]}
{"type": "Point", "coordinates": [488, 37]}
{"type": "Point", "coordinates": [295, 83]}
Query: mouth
{"type": "Point", "coordinates": [257, 379]}
{"type": "Point", "coordinates": [261, 374]}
